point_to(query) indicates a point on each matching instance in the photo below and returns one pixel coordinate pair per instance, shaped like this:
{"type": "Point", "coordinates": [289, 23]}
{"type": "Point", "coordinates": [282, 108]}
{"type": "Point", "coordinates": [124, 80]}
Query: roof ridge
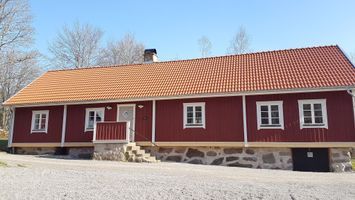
{"type": "Point", "coordinates": [192, 59]}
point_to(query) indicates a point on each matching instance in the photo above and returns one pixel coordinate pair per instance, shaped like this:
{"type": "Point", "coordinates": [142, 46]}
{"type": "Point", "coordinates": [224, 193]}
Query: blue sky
{"type": "Point", "coordinates": [173, 27]}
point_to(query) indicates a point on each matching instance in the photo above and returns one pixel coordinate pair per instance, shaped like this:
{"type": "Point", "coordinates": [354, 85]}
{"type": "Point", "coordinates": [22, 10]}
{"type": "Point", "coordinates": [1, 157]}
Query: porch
{"type": "Point", "coordinates": [114, 141]}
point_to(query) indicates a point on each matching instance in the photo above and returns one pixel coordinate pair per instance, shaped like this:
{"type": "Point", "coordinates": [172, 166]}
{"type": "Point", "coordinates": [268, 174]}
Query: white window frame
{"type": "Point", "coordinates": [87, 117]}
{"type": "Point", "coordinates": [323, 102]}
{"type": "Point", "coordinates": [41, 112]}
{"type": "Point", "coordinates": [269, 104]}
{"type": "Point", "coordinates": [203, 118]}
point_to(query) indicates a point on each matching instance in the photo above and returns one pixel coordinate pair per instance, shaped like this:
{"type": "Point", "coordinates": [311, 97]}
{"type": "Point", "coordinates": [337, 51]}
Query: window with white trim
{"type": "Point", "coordinates": [92, 116]}
{"type": "Point", "coordinates": [313, 113]}
{"type": "Point", "coordinates": [39, 121]}
{"type": "Point", "coordinates": [270, 115]}
{"type": "Point", "coordinates": [194, 115]}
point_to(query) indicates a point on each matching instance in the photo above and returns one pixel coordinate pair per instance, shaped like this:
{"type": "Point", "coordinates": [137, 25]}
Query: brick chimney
{"type": "Point", "coordinates": [150, 56]}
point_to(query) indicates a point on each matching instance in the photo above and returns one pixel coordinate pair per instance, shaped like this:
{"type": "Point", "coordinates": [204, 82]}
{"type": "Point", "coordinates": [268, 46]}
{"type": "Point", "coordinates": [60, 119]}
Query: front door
{"type": "Point", "coordinates": [127, 112]}
{"type": "Point", "coordinates": [310, 159]}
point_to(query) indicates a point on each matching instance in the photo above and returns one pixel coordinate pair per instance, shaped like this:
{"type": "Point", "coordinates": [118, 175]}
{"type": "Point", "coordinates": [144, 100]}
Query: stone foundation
{"type": "Point", "coordinates": [35, 150]}
{"type": "Point", "coordinates": [340, 160]}
{"type": "Point", "coordinates": [81, 152]}
{"type": "Point", "coordinates": [267, 158]}
{"type": "Point", "coordinates": [110, 152]}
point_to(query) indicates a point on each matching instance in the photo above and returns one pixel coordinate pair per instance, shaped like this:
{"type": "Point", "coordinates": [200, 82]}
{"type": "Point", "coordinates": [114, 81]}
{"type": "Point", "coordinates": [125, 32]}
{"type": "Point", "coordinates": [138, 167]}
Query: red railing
{"type": "Point", "coordinates": [111, 132]}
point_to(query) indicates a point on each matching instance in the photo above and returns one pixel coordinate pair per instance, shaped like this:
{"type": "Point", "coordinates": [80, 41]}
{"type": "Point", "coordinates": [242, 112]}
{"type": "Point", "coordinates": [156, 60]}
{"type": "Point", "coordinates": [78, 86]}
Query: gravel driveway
{"type": "Point", "coordinates": [34, 177]}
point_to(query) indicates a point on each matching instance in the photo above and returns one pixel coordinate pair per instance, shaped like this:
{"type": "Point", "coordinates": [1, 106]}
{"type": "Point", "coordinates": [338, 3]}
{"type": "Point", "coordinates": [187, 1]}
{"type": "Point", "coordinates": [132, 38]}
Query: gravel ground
{"type": "Point", "coordinates": [34, 177]}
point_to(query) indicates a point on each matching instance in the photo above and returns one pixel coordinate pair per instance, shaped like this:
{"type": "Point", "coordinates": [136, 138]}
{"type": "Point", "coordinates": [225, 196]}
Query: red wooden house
{"type": "Point", "coordinates": [289, 109]}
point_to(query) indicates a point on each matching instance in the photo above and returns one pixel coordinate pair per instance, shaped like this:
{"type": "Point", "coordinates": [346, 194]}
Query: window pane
{"type": "Point", "coordinates": [274, 108]}
{"type": "Point", "coordinates": [318, 120]}
{"type": "Point", "coordinates": [308, 120]}
{"type": "Point", "coordinates": [198, 120]}
{"type": "Point", "coordinates": [198, 108]}
{"type": "Point", "coordinates": [264, 108]}
{"type": "Point", "coordinates": [189, 109]}
{"type": "Point", "coordinates": [99, 116]}
{"type": "Point", "coordinates": [264, 114]}
{"type": "Point", "coordinates": [306, 106]}
{"type": "Point", "coordinates": [92, 114]}
{"type": "Point", "coordinates": [264, 121]}
{"type": "Point", "coordinates": [275, 114]}
{"type": "Point", "coordinates": [318, 113]}
{"type": "Point", "coordinates": [189, 120]}
{"type": "Point", "coordinates": [307, 113]}
{"type": "Point", "coordinates": [275, 121]}
{"type": "Point", "coordinates": [317, 106]}
{"type": "Point", "coordinates": [198, 114]}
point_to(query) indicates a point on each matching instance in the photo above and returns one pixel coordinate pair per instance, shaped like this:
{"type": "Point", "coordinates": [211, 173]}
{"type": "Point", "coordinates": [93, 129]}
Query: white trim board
{"type": "Point", "coordinates": [266, 92]}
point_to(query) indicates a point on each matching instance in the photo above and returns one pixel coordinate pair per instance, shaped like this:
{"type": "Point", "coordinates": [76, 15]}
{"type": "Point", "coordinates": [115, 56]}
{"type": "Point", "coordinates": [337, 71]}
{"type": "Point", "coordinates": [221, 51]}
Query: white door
{"type": "Point", "coordinates": [127, 112]}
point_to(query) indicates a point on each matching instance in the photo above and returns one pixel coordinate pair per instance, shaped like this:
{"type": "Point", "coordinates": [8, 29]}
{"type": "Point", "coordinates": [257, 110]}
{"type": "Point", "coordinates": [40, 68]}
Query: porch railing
{"type": "Point", "coordinates": [111, 132]}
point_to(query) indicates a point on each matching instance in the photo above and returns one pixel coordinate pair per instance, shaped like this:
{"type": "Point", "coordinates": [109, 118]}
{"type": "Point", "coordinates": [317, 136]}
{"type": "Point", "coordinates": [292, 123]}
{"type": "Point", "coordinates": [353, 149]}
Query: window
{"type": "Point", "coordinates": [313, 113]}
{"type": "Point", "coordinates": [39, 121]}
{"type": "Point", "coordinates": [270, 115]}
{"type": "Point", "coordinates": [194, 115]}
{"type": "Point", "coordinates": [93, 115]}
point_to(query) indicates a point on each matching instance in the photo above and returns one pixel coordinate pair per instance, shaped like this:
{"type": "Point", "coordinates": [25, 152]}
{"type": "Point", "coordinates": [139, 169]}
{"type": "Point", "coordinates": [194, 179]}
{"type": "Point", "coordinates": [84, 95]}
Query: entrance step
{"type": "Point", "coordinates": [134, 153]}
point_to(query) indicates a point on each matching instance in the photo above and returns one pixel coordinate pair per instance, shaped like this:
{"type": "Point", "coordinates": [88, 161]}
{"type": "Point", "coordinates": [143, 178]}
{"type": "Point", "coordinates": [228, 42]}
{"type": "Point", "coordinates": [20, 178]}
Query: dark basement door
{"type": "Point", "coordinates": [310, 159]}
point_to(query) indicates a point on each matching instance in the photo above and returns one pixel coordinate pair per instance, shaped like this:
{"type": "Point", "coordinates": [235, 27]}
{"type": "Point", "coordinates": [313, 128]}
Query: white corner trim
{"type": "Point", "coordinates": [323, 102]}
{"type": "Point", "coordinates": [64, 125]}
{"type": "Point", "coordinates": [11, 136]}
{"type": "Point", "coordinates": [34, 112]}
{"type": "Point", "coordinates": [245, 128]}
{"type": "Point", "coordinates": [87, 117]}
{"type": "Point", "coordinates": [203, 114]}
{"type": "Point", "coordinates": [153, 120]}
{"type": "Point", "coordinates": [269, 103]}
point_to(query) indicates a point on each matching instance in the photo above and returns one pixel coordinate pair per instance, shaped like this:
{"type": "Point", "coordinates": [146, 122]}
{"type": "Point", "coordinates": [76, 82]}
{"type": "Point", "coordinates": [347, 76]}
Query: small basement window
{"type": "Point", "coordinates": [40, 121]}
{"type": "Point", "coordinates": [313, 113]}
{"type": "Point", "coordinates": [93, 115]}
{"type": "Point", "coordinates": [194, 115]}
{"type": "Point", "coordinates": [270, 115]}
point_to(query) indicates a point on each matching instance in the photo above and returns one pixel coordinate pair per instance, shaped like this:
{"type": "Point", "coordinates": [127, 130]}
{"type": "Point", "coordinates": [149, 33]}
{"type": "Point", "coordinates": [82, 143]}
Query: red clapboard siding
{"type": "Point", "coordinates": [22, 125]}
{"type": "Point", "coordinates": [111, 131]}
{"type": "Point", "coordinates": [224, 120]}
{"type": "Point", "coordinates": [340, 119]}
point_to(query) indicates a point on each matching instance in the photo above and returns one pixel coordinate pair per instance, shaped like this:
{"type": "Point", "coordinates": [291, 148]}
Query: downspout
{"type": "Point", "coordinates": [64, 125]}
{"type": "Point", "coordinates": [245, 128]}
{"type": "Point", "coordinates": [12, 125]}
{"type": "Point", "coordinates": [153, 121]}
{"type": "Point", "coordinates": [352, 93]}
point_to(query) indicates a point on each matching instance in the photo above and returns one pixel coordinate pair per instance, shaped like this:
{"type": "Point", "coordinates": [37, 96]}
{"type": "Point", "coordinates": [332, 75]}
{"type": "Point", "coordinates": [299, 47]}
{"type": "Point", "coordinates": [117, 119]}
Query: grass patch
{"type": "Point", "coordinates": [353, 163]}
{"type": "Point", "coordinates": [3, 164]}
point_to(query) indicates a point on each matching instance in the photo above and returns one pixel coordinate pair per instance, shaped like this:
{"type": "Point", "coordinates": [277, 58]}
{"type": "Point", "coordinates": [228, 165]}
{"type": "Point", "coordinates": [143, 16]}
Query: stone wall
{"type": "Point", "coordinates": [269, 158]}
{"type": "Point", "coordinates": [340, 160]}
{"type": "Point", "coordinates": [81, 152]}
{"type": "Point", "coordinates": [35, 150]}
{"type": "Point", "coordinates": [110, 152]}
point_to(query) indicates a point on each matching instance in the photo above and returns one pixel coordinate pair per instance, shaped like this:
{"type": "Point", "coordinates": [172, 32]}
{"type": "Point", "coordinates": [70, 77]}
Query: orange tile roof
{"type": "Point", "coordinates": [315, 67]}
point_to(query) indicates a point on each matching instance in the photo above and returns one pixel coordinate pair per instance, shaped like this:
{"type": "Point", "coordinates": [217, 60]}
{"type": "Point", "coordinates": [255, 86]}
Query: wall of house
{"type": "Point", "coordinates": [340, 119]}
{"type": "Point", "coordinates": [22, 125]}
{"type": "Point", "coordinates": [224, 120]}
{"type": "Point", "coordinates": [75, 129]}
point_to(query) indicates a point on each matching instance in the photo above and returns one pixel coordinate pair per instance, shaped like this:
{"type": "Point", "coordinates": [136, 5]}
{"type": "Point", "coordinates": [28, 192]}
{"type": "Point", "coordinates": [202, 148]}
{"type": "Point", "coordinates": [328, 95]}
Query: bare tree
{"type": "Point", "coordinates": [125, 51]}
{"type": "Point", "coordinates": [76, 46]}
{"type": "Point", "coordinates": [17, 64]}
{"type": "Point", "coordinates": [15, 24]}
{"type": "Point", "coordinates": [205, 46]}
{"type": "Point", "coordinates": [240, 42]}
